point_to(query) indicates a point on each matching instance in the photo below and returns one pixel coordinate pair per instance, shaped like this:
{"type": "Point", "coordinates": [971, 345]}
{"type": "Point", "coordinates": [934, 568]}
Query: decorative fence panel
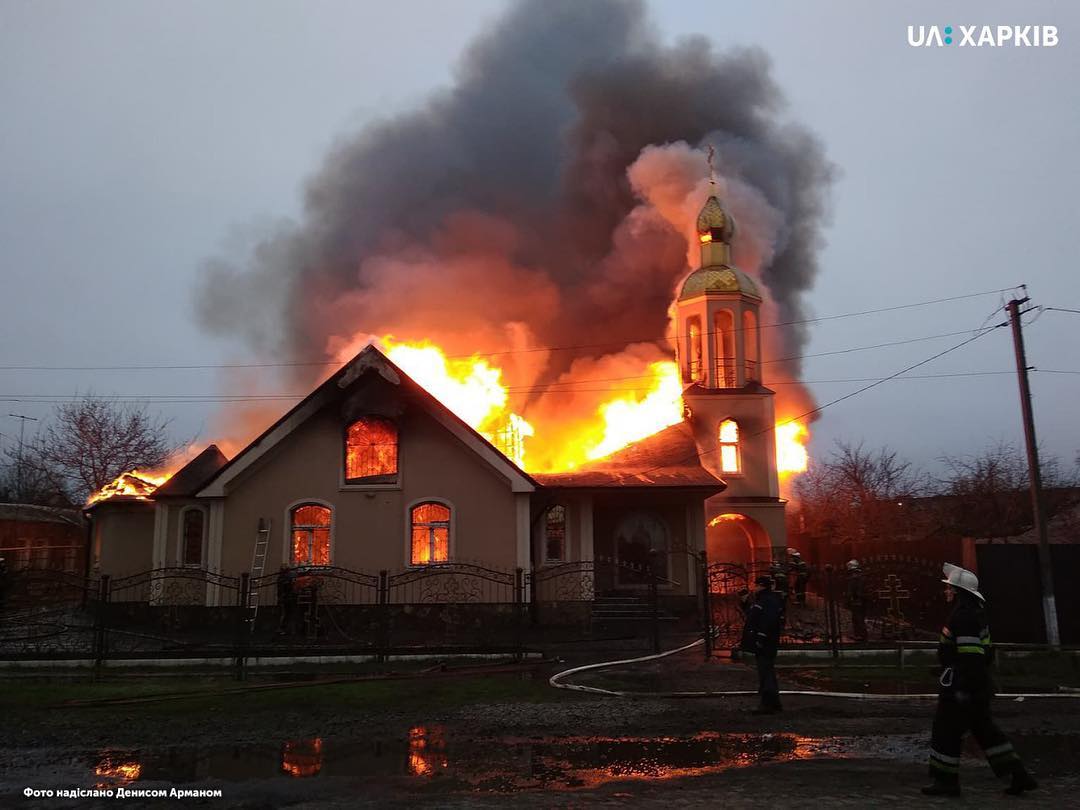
{"type": "Point", "coordinates": [451, 583]}
{"type": "Point", "coordinates": [47, 613]}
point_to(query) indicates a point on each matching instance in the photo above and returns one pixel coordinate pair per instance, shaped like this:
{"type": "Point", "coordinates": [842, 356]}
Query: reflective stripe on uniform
{"type": "Point", "coordinates": [974, 649]}
{"type": "Point", "coordinates": [1003, 751]}
{"type": "Point", "coordinates": [944, 763]}
{"type": "Point", "coordinates": [945, 758]}
{"type": "Point", "coordinates": [968, 640]}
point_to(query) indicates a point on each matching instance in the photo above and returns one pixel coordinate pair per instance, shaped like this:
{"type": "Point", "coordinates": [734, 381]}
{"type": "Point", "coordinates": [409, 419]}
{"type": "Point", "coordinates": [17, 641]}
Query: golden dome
{"type": "Point", "coordinates": [715, 222]}
{"type": "Point", "coordinates": [718, 279]}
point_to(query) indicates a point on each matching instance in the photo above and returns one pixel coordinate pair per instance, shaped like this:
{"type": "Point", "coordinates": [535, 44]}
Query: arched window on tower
{"type": "Point", "coordinates": [750, 341]}
{"type": "Point", "coordinates": [695, 367]}
{"type": "Point", "coordinates": [371, 451]}
{"type": "Point", "coordinates": [729, 446]}
{"type": "Point", "coordinates": [725, 349]}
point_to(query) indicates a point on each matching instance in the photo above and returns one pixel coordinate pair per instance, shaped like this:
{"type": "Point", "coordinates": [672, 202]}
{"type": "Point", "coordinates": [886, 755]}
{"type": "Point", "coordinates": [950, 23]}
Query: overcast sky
{"type": "Point", "coordinates": [137, 139]}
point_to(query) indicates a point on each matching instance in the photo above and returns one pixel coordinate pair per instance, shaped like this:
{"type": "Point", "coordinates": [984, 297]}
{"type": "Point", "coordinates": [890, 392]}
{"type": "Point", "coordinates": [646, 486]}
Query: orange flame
{"type": "Point", "coordinates": [628, 419]}
{"type": "Point", "coordinates": [791, 455]}
{"type": "Point", "coordinates": [117, 771]}
{"type": "Point", "coordinates": [133, 484]}
{"type": "Point", "coordinates": [471, 388]}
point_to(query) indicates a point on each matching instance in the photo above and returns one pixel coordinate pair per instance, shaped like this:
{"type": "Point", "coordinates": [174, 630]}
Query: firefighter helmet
{"type": "Point", "coordinates": [853, 565]}
{"type": "Point", "coordinates": [961, 578]}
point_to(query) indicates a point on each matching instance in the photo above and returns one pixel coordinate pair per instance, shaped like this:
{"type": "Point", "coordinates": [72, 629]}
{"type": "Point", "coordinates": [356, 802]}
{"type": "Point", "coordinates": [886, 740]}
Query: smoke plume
{"type": "Point", "coordinates": [543, 201]}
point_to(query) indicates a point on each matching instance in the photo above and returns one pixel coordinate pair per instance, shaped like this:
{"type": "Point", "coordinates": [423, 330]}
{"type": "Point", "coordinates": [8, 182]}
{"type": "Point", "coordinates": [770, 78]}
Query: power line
{"type": "Point", "coordinates": [1062, 309]}
{"type": "Point", "coordinates": [625, 342]}
{"type": "Point", "coordinates": [202, 399]}
{"type": "Point", "coordinates": [820, 408]}
{"type": "Point", "coordinates": [550, 386]}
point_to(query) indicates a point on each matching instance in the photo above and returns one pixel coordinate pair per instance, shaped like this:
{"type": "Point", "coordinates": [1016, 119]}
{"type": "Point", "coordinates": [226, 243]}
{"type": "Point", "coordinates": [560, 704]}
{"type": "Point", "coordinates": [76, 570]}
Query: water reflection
{"type": "Point", "coordinates": [113, 769]}
{"type": "Point", "coordinates": [427, 750]}
{"type": "Point", "coordinates": [300, 758]}
{"type": "Point", "coordinates": [466, 762]}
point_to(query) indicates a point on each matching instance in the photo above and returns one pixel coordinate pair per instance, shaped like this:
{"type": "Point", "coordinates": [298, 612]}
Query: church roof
{"type": "Point", "coordinates": [370, 360]}
{"type": "Point", "coordinates": [189, 479]}
{"type": "Point", "coordinates": [718, 279]}
{"type": "Point", "coordinates": [714, 217]}
{"type": "Point", "coordinates": [669, 459]}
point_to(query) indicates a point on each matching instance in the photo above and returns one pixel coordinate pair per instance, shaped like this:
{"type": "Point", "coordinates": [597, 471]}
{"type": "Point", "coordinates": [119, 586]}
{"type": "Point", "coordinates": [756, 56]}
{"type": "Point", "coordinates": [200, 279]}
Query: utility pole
{"type": "Point", "coordinates": [1039, 516]}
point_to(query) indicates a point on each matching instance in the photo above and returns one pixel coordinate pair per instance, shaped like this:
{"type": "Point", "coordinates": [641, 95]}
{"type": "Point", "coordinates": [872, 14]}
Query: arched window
{"type": "Point", "coordinates": [192, 533]}
{"type": "Point", "coordinates": [729, 446]}
{"type": "Point", "coordinates": [371, 451]}
{"type": "Point", "coordinates": [695, 367]}
{"type": "Point", "coordinates": [725, 349]}
{"type": "Point", "coordinates": [430, 534]}
{"type": "Point", "coordinates": [310, 532]}
{"type": "Point", "coordinates": [750, 340]}
{"type": "Point", "coordinates": [555, 535]}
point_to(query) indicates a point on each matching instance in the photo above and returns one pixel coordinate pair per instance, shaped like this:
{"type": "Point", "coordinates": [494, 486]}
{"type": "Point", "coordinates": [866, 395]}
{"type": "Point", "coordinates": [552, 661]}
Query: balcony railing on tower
{"type": "Point", "coordinates": [752, 371]}
{"type": "Point", "coordinates": [725, 373]}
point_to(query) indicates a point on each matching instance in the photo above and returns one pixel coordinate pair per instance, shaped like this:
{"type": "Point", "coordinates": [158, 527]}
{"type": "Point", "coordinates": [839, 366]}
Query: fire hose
{"type": "Point", "coordinates": [557, 682]}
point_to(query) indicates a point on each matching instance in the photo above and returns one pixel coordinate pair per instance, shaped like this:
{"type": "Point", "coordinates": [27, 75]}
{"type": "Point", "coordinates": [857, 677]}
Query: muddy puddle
{"type": "Point", "coordinates": [429, 753]}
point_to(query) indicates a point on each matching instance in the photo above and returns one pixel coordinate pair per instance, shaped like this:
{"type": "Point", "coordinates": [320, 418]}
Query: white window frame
{"type": "Point", "coordinates": [737, 444]}
{"type": "Point", "coordinates": [451, 550]}
{"type": "Point", "coordinates": [286, 540]}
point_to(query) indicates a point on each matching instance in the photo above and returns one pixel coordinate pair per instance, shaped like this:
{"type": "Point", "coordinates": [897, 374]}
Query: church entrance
{"type": "Point", "coordinates": [738, 539]}
{"type": "Point", "coordinates": [642, 540]}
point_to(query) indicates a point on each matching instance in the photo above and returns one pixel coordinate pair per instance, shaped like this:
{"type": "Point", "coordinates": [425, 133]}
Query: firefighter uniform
{"type": "Point", "coordinates": [966, 687]}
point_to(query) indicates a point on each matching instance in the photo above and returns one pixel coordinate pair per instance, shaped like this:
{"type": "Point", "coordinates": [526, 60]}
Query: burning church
{"type": "Point", "coordinates": [372, 471]}
{"type": "Point", "coordinates": [524, 326]}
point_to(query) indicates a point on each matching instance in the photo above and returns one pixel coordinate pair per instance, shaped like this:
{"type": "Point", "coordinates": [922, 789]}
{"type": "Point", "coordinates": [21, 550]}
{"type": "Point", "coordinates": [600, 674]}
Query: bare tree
{"type": "Point", "coordinates": [25, 478]}
{"type": "Point", "coordinates": [92, 440]}
{"type": "Point", "coordinates": [853, 494]}
{"type": "Point", "coordinates": [990, 489]}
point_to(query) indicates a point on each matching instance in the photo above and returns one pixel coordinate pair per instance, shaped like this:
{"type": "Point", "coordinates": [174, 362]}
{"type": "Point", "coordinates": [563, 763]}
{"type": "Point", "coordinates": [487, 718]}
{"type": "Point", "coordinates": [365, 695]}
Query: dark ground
{"type": "Point", "coordinates": [492, 741]}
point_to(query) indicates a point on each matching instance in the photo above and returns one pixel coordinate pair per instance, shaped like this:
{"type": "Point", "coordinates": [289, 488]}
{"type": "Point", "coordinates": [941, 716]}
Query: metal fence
{"type": "Point", "coordinates": [195, 613]}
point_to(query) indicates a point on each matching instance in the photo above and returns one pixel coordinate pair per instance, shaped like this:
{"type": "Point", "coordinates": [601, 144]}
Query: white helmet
{"type": "Point", "coordinates": [961, 578]}
{"type": "Point", "coordinates": [853, 565]}
{"type": "Point", "coordinates": [793, 553]}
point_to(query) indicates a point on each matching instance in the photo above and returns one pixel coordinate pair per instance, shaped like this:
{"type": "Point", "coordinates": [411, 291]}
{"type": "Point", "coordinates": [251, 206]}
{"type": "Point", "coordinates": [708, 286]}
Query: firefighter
{"type": "Point", "coordinates": [966, 687]}
{"type": "Point", "coordinates": [761, 636]}
{"type": "Point", "coordinates": [855, 598]}
{"type": "Point", "coordinates": [779, 573]}
{"type": "Point", "coordinates": [801, 571]}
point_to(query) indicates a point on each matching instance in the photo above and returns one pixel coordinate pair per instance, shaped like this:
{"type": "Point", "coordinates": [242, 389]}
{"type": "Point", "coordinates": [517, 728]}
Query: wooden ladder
{"type": "Point", "coordinates": [258, 564]}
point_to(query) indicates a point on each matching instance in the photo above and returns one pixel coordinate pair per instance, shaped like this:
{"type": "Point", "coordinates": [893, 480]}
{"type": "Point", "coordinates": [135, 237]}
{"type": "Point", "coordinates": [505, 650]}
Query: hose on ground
{"type": "Point", "coordinates": [557, 682]}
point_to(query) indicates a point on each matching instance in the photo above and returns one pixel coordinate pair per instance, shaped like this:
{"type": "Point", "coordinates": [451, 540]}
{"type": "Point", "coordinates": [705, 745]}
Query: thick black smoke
{"type": "Point", "coordinates": [500, 214]}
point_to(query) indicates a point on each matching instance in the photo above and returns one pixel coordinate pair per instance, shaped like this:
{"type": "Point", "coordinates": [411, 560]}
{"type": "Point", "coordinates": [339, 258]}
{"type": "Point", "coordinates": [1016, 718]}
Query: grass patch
{"type": "Point", "coordinates": [37, 698]}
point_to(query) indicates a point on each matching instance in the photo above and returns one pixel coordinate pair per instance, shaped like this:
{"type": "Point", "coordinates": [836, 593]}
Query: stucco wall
{"type": "Point", "coordinates": [123, 538]}
{"type": "Point", "coordinates": [370, 526]}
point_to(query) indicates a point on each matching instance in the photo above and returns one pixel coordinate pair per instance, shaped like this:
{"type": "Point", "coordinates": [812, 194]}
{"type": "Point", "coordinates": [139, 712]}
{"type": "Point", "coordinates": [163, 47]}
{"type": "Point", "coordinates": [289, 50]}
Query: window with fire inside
{"type": "Point", "coordinates": [371, 451]}
{"type": "Point", "coordinates": [430, 536]}
{"type": "Point", "coordinates": [310, 532]}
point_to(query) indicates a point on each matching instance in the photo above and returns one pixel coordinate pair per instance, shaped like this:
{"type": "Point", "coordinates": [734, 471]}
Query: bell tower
{"type": "Point", "coordinates": [731, 412]}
